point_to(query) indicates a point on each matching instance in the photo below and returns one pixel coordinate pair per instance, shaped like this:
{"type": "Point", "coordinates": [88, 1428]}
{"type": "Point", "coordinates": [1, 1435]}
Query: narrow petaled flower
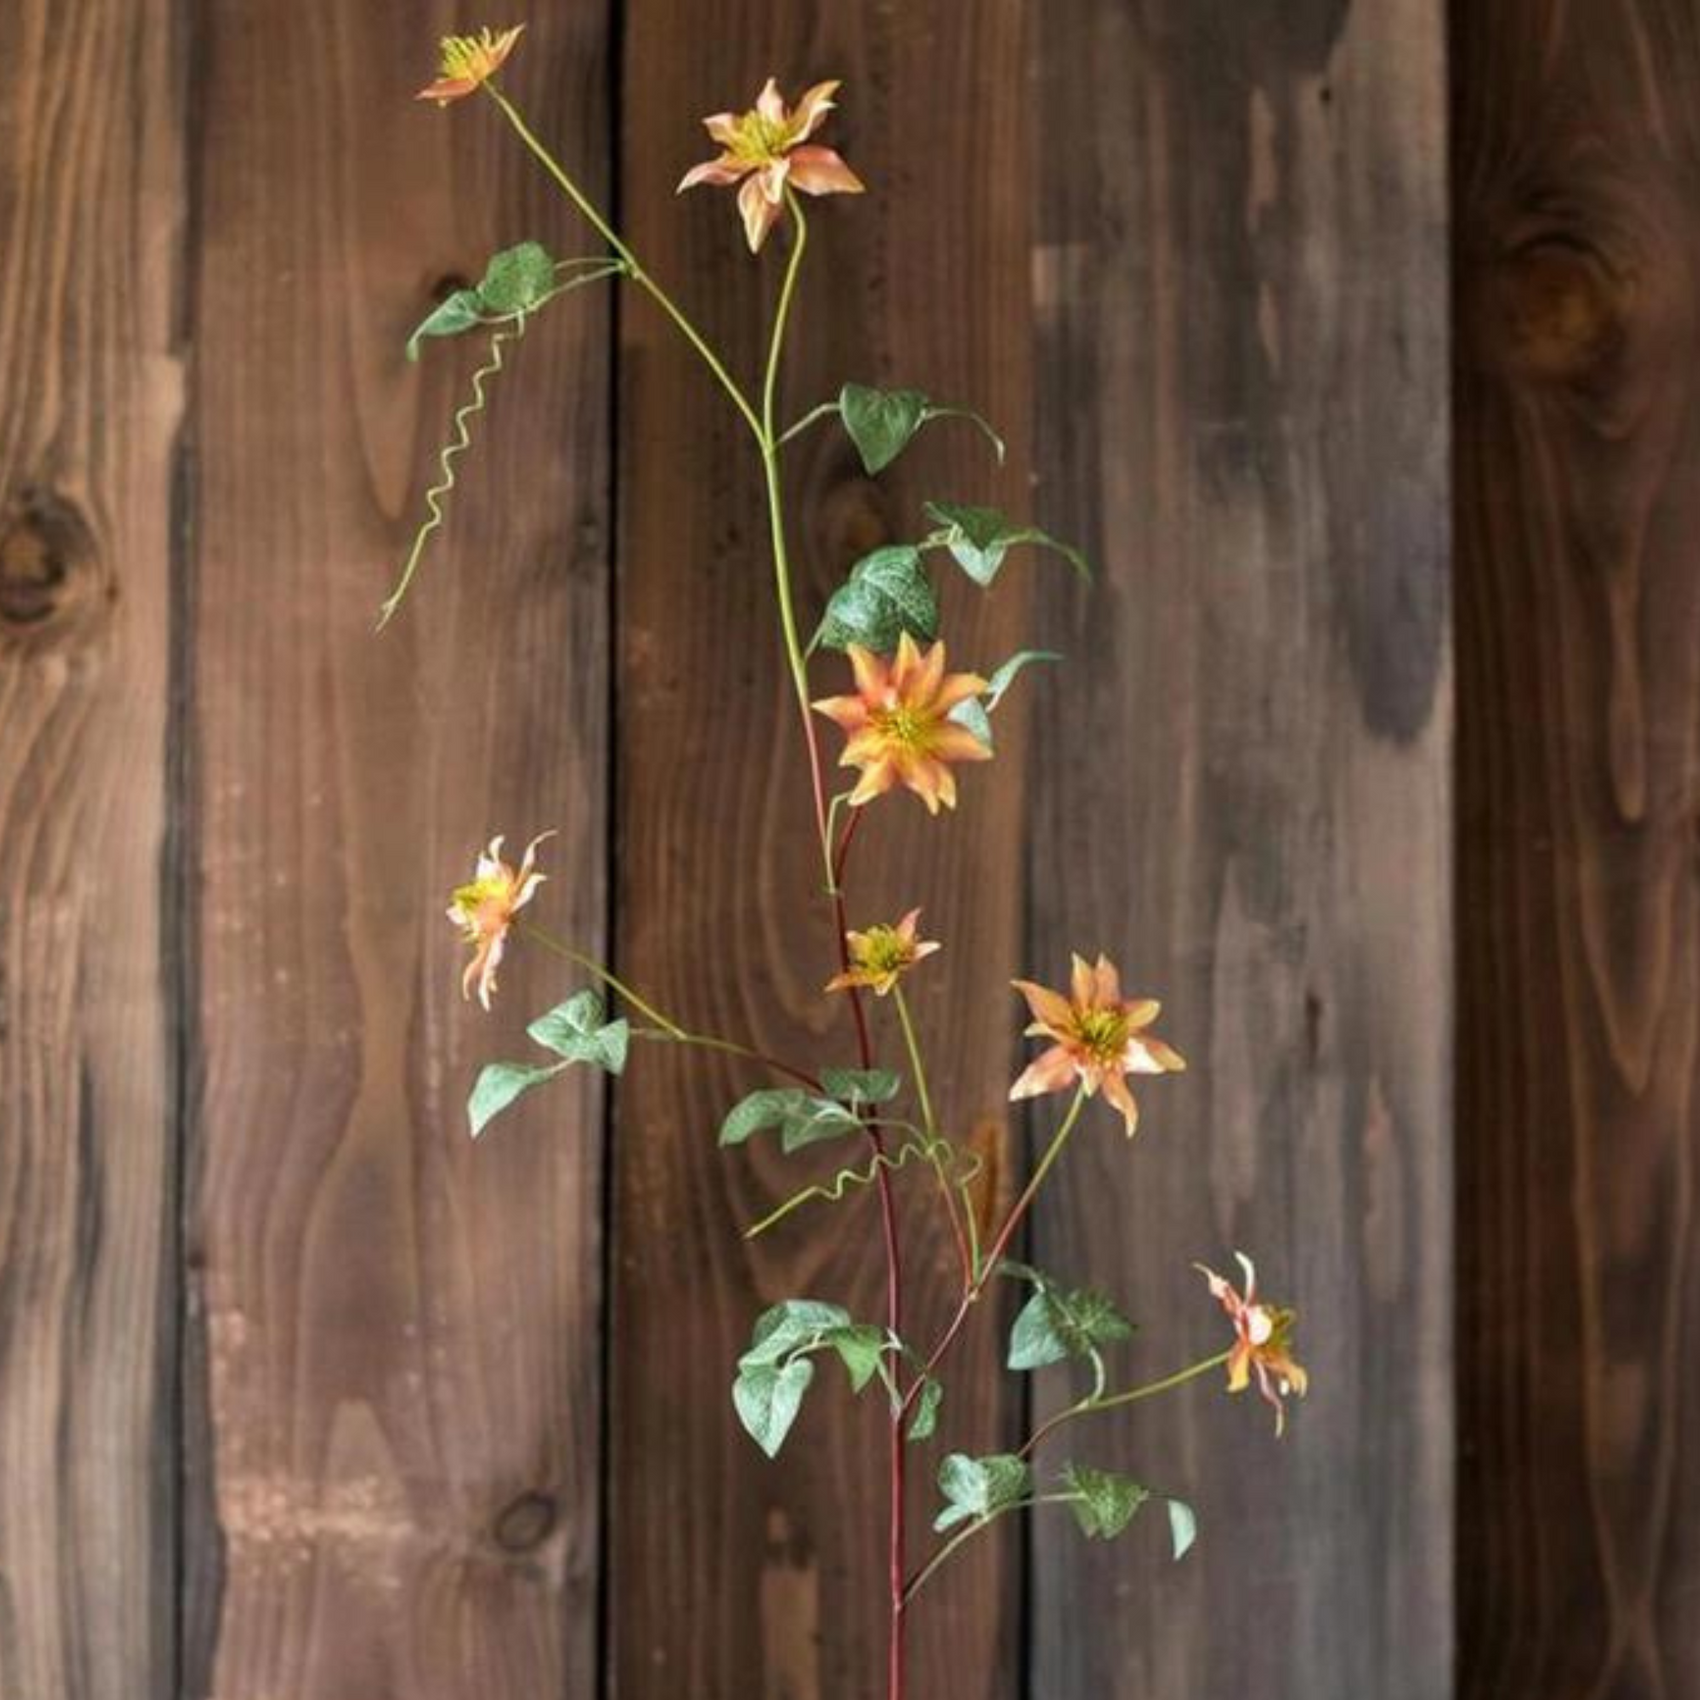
{"type": "Point", "coordinates": [767, 149]}
{"type": "Point", "coordinates": [1262, 1341]}
{"type": "Point", "coordinates": [468, 62]}
{"type": "Point", "coordinates": [881, 954]}
{"type": "Point", "coordinates": [1099, 1036]}
{"type": "Point", "coordinates": [484, 910]}
{"type": "Point", "coordinates": [901, 732]}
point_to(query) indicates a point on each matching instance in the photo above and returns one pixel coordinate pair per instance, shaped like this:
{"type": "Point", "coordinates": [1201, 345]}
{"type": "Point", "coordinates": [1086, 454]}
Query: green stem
{"type": "Point", "coordinates": [732, 1048]}
{"type": "Point", "coordinates": [591, 966]}
{"type": "Point", "coordinates": [970, 1530]}
{"type": "Point", "coordinates": [935, 1144]}
{"type": "Point", "coordinates": [918, 1068]}
{"type": "Point", "coordinates": [1097, 1402]}
{"type": "Point", "coordinates": [606, 231]}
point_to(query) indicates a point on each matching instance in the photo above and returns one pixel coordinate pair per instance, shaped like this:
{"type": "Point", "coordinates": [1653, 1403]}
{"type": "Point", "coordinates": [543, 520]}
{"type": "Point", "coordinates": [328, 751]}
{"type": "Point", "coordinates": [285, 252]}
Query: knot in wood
{"type": "Point", "coordinates": [53, 590]}
{"type": "Point", "coordinates": [1557, 311]}
{"type": "Point", "coordinates": [525, 1523]}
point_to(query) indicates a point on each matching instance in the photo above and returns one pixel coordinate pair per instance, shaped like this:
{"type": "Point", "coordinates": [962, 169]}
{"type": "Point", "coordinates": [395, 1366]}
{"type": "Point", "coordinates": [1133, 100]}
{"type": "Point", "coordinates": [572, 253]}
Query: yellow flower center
{"type": "Point", "coordinates": [883, 950]}
{"type": "Point", "coordinates": [904, 727]}
{"type": "Point", "coordinates": [1103, 1032]}
{"type": "Point", "coordinates": [469, 55]}
{"type": "Point", "coordinates": [475, 900]}
{"type": "Point", "coordinates": [760, 139]}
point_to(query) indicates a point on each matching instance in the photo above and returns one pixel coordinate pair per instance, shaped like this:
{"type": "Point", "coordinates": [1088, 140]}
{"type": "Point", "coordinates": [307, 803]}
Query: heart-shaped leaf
{"type": "Point", "coordinates": [887, 594]}
{"type": "Point", "coordinates": [979, 538]}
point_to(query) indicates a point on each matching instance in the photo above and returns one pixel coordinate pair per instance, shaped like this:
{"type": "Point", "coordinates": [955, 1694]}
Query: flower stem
{"type": "Point", "coordinates": [929, 1123]}
{"type": "Point", "coordinates": [606, 231]}
{"type": "Point", "coordinates": [606, 975]}
{"type": "Point", "coordinates": [1099, 1402]}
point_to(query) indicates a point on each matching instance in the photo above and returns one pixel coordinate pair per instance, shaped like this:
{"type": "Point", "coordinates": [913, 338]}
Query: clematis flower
{"type": "Point", "coordinates": [1100, 1038]}
{"type": "Point", "coordinates": [1262, 1341]}
{"type": "Point", "coordinates": [881, 954]}
{"type": "Point", "coordinates": [468, 62]}
{"type": "Point", "coordinates": [900, 726]}
{"type": "Point", "coordinates": [484, 911]}
{"type": "Point", "coordinates": [767, 149]}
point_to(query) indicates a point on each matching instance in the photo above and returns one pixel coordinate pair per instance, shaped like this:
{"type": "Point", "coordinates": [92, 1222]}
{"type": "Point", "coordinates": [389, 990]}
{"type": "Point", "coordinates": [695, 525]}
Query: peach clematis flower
{"type": "Point", "coordinates": [766, 150]}
{"type": "Point", "coordinates": [1262, 1341]}
{"type": "Point", "coordinates": [484, 910]}
{"type": "Point", "coordinates": [900, 726]}
{"type": "Point", "coordinates": [881, 954]}
{"type": "Point", "coordinates": [1100, 1038]}
{"type": "Point", "coordinates": [469, 61]}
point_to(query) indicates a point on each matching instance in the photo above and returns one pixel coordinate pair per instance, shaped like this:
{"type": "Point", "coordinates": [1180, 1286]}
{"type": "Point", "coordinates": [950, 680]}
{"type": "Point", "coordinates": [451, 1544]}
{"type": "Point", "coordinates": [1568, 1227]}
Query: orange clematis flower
{"type": "Point", "coordinates": [881, 954]}
{"type": "Point", "coordinates": [469, 61]}
{"type": "Point", "coordinates": [1100, 1038]}
{"type": "Point", "coordinates": [766, 150]}
{"type": "Point", "coordinates": [899, 723]}
{"type": "Point", "coordinates": [1262, 1341]}
{"type": "Point", "coordinates": [484, 911]}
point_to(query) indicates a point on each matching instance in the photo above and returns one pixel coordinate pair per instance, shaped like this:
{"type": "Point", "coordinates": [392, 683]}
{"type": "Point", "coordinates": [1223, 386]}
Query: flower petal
{"type": "Point", "coordinates": [770, 103]}
{"type": "Point", "coordinates": [722, 172]}
{"type": "Point", "coordinates": [1116, 1093]}
{"type": "Point", "coordinates": [1050, 1008]}
{"type": "Point", "coordinates": [759, 213]}
{"type": "Point", "coordinates": [1082, 982]}
{"type": "Point", "coordinates": [849, 712]}
{"type": "Point", "coordinates": [1050, 1071]}
{"type": "Point", "coordinates": [820, 171]}
{"type": "Point", "coordinates": [812, 109]}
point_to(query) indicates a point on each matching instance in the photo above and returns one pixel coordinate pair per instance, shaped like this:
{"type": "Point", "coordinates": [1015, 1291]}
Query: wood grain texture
{"type": "Point", "coordinates": [91, 390]}
{"type": "Point", "coordinates": [1578, 160]}
{"type": "Point", "coordinates": [731, 1575]}
{"type": "Point", "coordinates": [1243, 795]}
{"type": "Point", "coordinates": [402, 1330]}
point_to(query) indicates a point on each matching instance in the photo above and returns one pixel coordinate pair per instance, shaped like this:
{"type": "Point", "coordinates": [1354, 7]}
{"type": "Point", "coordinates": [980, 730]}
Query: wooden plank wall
{"type": "Point", "coordinates": [914, 283]}
{"type": "Point", "coordinates": [1578, 203]}
{"type": "Point", "coordinates": [301, 1396]}
{"type": "Point", "coordinates": [1241, 293]}
{"type": "Point", "coordinates": [400, 1365]}
{"type": "Point", "coordinates": [92, 207]}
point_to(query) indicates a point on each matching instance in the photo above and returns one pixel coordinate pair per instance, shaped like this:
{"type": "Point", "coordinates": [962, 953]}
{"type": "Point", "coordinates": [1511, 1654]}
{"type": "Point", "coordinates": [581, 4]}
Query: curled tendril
{"type": "Point", "coordinates": [452, 450]}
{"type": "Point", "coordinates": [577, 272]}
{"type": "Point", "coordinates": [939, 1152]}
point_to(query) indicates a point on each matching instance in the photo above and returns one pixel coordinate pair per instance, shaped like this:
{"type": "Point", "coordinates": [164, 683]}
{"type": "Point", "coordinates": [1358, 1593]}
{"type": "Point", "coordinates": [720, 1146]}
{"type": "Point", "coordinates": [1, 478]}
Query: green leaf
{"type": "Point", "coordinates": [767, 1401]}
{"type": "Point", "coordinates": [1057, 1323]}
{"type": "Point", "coordinates": [1105, 1502]}
{"type": "Point", "coordinates": [924, 1414]}
{"type": "Point", "coordinates": [979, 538]}
{"type": "Point", "coordinates": [1183, 1528]}
{"type": "Point", "coordinates": [887, 594]}
{"type": "Point", "coordinates": [578, 1031]}
{"type": "Point", "coordinates": [459, 312]}
{"type": "Point", "coordinates": [980, 1487]}
{"type": "Point", "coordinates": [860, 1346]}
{"type": "Point", "coordinates": [856, 1086]}
{"type": "Point", "coordinates": [517, 280]}
{"type": "Point", "coordinates": [1004, 677]}
{"type": "Point", "coordinates": [881, 422]}
{"type": "Point", "coordinates": [789, 1326]}
{"type": "Point", "coordinates": [971, 713]}
{"type": "Point", "coordinates": [801, 1118]}
{"type": "Point", "coordinates": [499, 1084]}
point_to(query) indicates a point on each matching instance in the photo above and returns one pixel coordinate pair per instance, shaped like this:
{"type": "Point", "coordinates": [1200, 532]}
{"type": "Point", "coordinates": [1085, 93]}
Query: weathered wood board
{"type": "Point", "coordinates": [1242, 794]}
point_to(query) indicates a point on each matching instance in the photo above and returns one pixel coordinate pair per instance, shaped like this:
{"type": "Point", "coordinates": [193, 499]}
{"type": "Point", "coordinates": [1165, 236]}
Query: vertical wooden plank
{"type": "Point", "coordinates": [1578, 159]}
{"type": "Point", "coordinates": [1244, 798]}
{"type": "Point", "coordinates": [91, 224]}
{"type": "Point", "coordinates": [732, 1575]}
{"type": "Point", "coordinates": [402, 1330]}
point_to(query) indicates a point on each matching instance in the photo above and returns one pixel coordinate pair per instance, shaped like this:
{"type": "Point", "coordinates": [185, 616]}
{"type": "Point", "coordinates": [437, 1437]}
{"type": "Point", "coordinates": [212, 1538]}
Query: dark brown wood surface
{"type": "Point", "coordinates": [1578, 156]}
{"type": "Point", "coordinates": [91, 401]}
{"type": "Point", "coordinates": [401, 1330]}
{"type": "Point", "coordinates": [771, 1586]}
{"type": "Point", "coordinates": [1243, 798]}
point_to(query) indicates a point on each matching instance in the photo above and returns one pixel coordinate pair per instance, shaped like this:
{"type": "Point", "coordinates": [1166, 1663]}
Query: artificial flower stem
{"type": "Point", "coordinates": [731, 1048]}
{"type": "Point", "coordinates": [1086, 1407]}
{"type": "Point", "coordinates": [970, 1530]}
{"type": "Point", "coordinates": [929, 1124]}
{"type": "Point", "coordinates": [606, 231]}
{"type": "Point", "coordinates": [591, 966]}
{"type": "Point", "coordinates": [989, 1263]}
{"type": "Point", "coordinates": [767, 436]}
